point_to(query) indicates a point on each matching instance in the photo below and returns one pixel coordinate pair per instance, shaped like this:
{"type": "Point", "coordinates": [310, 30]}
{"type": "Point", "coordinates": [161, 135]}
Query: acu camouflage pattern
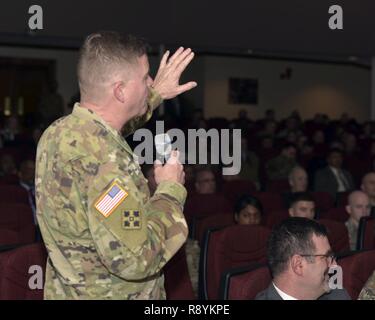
{"type": "Point", "coordinates": [368, 291]}
{"type": "Point", "coordinates": [90, 256]}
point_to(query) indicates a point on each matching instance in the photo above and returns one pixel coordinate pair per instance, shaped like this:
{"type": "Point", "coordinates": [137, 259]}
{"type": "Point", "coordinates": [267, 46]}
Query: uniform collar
{"type": "Point", "coordinates": [87, 114]}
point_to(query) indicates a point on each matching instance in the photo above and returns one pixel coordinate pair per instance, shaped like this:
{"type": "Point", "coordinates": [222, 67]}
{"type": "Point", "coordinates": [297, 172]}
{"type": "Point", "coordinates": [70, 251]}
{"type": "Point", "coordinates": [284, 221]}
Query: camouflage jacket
{"type": "Point", "coordinates": [106, 237]}
{"type": "Point", "coordinates": [368, 291]}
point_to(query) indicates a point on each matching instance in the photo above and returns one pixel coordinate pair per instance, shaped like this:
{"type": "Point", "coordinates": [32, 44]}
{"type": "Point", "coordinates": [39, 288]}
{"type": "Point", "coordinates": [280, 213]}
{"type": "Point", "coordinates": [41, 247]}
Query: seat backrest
{"type": "Point", "coordinates": [13, 194]}
{"type": "Point", "coordinates": [234, 189]}
{"type": "Point", "coordinates": [274, 218]}
{"type": "Point", "coordinates": [214, 221]}
{"type": "Point", "coordinates": [278, 186]}
{"type": "Point", "coordinates": [356, 269]}
{"type": "Point", "coordinates": [245, 285]}
{"type": "Point", "coordinates": [337, 214]}
{"type": "Point", "coordinates": [233, 246]}
{"type": "Point", "coordinates": [270, 201]}
{"type": "Point", "coordinates": [323, 201]}
{"type": "Point", "coordinates": [177, 281]}
{"type": "Point", "coordinates": [342, 198]}
{"type": "Point", "coordinates": [366, 234]}
{"type": "Point", "coordinates": [19, 219]}
{"type": "Point", "coordinates": [201, 205]}
{"type": "Point", "coordinates": [17, 274]}
{"type": "Point", "coordinates": [337, 235]}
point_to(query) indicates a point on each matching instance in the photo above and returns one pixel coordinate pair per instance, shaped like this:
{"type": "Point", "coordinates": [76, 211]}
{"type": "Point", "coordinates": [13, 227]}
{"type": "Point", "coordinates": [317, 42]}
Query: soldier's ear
{"type": "Point", "coordinates": [119, 91]}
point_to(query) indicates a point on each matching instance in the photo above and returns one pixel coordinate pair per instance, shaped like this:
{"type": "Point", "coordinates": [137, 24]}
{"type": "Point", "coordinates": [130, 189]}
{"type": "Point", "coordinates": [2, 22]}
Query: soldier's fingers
{"type": "Point", "coordinates": [184, 63]}
{"type": "Point", "coordinates": [163, 61]}
{"type": "Point", "coordinates": [182, 56]}
{"type": "Point", "coordinates": [175, 55]}
{"type": "Point", "coordinates": [186, 87]}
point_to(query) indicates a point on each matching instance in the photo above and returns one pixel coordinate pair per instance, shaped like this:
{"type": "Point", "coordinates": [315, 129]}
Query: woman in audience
{"type": "Point", "coordinates": [247, 211]}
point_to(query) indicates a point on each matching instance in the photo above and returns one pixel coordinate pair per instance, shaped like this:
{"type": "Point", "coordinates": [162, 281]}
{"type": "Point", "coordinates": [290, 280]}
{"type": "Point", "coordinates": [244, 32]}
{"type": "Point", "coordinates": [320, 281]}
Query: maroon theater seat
{"type": "Point", "coordinates": [177, 280]}
{"type": "Point", "coordinates": [278, 186]}
{"type": "Point", "coordinates": [323, 201]}
{"type": "Point", "coordinates": [230, 247]}
{"type": "Point", "coordinates": [245, 284]}
{"type": "Point", "coordinates": [233, 189]}
{"type": "Point", "coordinates": [214, 221]}
{"type": "Point", "coordinates": [13, 194]}
{"type": "Point", "coordinates": [366, 234]}
{"type": "Point", "coordinates": [337, 235]}
{"type": "Point", "coordinates": [201, 205]}
{"type": "Point", "coordinates": [336, 214]}
{"type": "Point", "coordinates": [15, 276]}
{"type": "Point", "coordinates": [270, 201]}
{"type": "Point", "coordinates": [356, 270]}
{"type": "Point", "coordinates": [17, 218]}
{"type": "Point", "coordinates": [274, 218]}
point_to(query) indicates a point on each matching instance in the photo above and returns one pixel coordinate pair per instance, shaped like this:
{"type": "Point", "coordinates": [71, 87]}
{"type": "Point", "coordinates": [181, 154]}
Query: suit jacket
{"type": "Point", "coordinates": [325, 181]}
{"type": "Point", "coordinates": [271, 294]}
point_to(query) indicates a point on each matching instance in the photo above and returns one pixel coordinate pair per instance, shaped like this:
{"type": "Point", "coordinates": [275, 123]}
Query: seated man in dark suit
{"type": "Point", "coordinates": [300, 256]}
{"type": "Point", "coordinates": [333, 178]}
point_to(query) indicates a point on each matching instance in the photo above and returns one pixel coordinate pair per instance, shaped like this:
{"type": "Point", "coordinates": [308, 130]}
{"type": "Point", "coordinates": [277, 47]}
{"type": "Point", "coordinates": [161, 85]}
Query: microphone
{"type": "Point", "coordinates": [163, 146]}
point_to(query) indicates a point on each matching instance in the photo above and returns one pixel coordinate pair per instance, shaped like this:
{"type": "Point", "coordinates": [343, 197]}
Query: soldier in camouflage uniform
{"type": "Point", "coordinates": [106, 237]}
{"type": "Point", "coordinates": [368, 291]}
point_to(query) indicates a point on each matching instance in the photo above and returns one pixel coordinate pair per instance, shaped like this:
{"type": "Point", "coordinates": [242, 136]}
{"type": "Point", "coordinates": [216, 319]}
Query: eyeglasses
{"type": "Point", "coordinates": [329, 257]}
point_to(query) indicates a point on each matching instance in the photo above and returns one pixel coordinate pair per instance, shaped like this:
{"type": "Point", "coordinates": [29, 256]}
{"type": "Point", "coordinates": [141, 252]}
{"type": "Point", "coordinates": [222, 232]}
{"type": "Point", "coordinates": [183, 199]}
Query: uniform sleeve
{"type": "Point", "coordinates": [154, 100]}
{"type": "Point", "coordinates": [134, 238]}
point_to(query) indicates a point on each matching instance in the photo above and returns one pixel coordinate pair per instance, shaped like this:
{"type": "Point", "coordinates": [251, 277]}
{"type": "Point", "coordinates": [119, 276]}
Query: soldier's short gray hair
{"type": "Point", "coordinates": [102, 55]}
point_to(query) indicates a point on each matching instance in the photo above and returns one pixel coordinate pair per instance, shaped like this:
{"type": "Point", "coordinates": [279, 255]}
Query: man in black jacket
{"type": "Point", "coordinates": [300, 257]}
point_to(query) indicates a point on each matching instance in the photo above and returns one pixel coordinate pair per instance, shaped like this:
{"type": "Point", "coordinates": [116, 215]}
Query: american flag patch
{"type": "Point", "coordinates": [110, 199]}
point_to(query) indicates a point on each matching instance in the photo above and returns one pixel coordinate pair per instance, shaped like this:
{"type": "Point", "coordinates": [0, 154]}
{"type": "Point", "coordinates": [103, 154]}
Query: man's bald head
{"type": "Point", "coordinates": [358, 205]}
{"type": "Point", "coordinates": [104, 58]}
{"type": "Point", "coordinates": [298, 179]}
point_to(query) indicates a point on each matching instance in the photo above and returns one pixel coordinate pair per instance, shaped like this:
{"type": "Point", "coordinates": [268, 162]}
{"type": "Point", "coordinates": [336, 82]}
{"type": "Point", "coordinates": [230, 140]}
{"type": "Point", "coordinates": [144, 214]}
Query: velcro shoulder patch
{"type": "Point", "coordinates": [110, 199]}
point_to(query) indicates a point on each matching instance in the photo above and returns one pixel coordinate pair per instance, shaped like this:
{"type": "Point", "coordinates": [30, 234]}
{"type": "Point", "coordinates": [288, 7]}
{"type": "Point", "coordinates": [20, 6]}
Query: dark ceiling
{"type": "Point", "coordinates": [284, 27]}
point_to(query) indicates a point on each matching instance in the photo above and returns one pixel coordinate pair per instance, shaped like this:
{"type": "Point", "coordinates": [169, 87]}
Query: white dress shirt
{"type": "Point", "coordinates": [283, 295]}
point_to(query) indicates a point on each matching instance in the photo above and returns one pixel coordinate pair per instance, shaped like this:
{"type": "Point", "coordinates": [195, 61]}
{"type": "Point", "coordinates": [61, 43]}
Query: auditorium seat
{"type": "Point", "coordinates": [356, 269]}
{"type": "Point", "coordinates": [366, 234]}
{"type": "Point", "coordinates": [202, 205]}
{"type": "Point", "coordinates": [219, 220]}
{"type": "Point", "coordinates": [13, 194]}
{"type": "Point", "coordinates": [18, 220]}
{"type": "Point", "coordinates": [176, 278]}
{"type": "Point", "coordinates": [337, 235]}
{"type": "Point", "coordinates": [274, 218]}
{"type": "Point", "coordinates": [323, 201]}
{"type": "Point", "coordinates": [234, 189]}
{"type": "Point", "coordinates": [245, 283]}
{"type": "Point", "coordinates": [270, 201]}
{"type": "Point", "coordinates": [15, 276]}
{"type": "Point", "coordinates": [342, 198]}
{"type": "Point", "coordinates": [229, 247]}
{"type": "Point", "coordinates": [336, 214]}
{"type": "Point", "coordinates": [278, 186]}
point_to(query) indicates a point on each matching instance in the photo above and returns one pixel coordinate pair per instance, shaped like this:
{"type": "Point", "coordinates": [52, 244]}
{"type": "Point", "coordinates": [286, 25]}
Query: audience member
{"type": "Point", "coordinates": [300, 257]}
{"type": "Point", "coordinates": [358, 207]}
{"type": "Point", "coordinates": [302, 205]}
{"type": "Point", "coordinates": [279, 168]}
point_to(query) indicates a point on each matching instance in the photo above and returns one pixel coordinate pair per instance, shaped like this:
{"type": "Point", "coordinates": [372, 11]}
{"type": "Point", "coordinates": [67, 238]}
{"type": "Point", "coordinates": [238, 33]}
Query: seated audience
{"type": "Point", "coordinates": [298, 179]}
